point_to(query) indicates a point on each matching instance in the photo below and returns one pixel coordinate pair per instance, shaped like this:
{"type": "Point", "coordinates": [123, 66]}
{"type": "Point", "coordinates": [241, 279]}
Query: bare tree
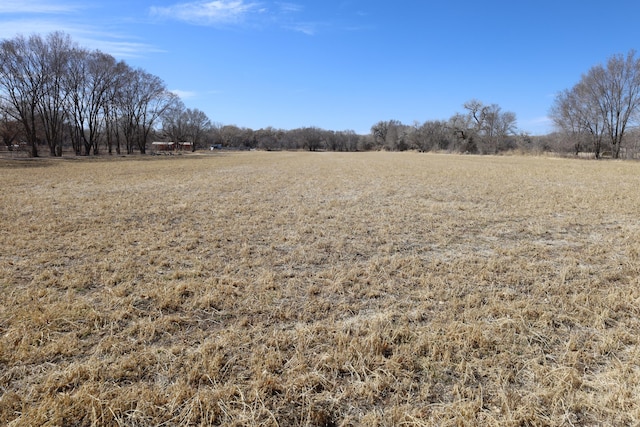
{"type": "Point", "coordinates": [269, 138]}
{"type": "Point", "coordinates": [464, 134]}
{"type": "Point", "coordinates": [173, 125]}
{"type": "Point", "coordinates": [231, 136]}
{"type": "Point", "coordinates": [616, 88]}
{"type": "Point", "coordinates": [602, 104]}
{"type": "Point", "coordinates": [184, 124]}
{"type": "Point", "coordinates": [53, 55]}
{"type": "Point", "coordinates": [196, 124]}
{"type": "Point", "coordinates": [350, 140]}
{"type": "Point", "coordinates": [572, 122]}
{"type": "Point", "coordinates": [345, 140]}
{"type": "Point", "coordinates": [579, 117]}
{"type": "Point", "coordinates": [433, 135]}
{"type": "Point", "coordinates": [500, 127]}
{"type": "Point", "coordinates": [91, 79]}
{"type": "Point", "coordinates": [379, 132]}
{"type": "Point", "coordinates": [59, 91]}
{"type": "Point", "coordinates": [143, 99]}
{"type": "Point", "coordinates": [32, 74]}
{"type": "Point", "coordinates": [114, 108]}
{"type": "Point", "coordinates": [22, 82]}
{"type": "Point", "coordinates": [10, 129]}
{"type": "Point", "coordinates": [490, 124]}
{"type": "Point", "coordinates": [312, 138]}
{"type": "Point", "coordinates": [391, 135]}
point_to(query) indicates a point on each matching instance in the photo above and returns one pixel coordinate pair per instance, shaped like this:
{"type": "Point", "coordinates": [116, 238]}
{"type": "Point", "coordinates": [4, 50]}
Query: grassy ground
{"type": "Point", "coordinates": [319, 289]}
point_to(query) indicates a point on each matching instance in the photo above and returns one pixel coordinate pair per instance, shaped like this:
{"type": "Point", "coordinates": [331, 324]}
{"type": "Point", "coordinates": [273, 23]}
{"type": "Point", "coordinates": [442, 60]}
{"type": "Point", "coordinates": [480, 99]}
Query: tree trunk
{"type": "Point", "coordinates": [34, 149]}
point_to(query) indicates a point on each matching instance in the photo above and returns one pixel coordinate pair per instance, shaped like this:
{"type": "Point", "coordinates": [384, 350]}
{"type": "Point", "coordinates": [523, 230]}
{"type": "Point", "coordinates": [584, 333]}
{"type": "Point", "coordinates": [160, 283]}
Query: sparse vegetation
{"type": "Point", "coordinates": [326, 289]}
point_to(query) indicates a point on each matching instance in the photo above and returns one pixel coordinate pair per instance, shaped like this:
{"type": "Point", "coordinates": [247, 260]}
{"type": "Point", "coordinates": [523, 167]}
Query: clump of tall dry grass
{"type": "Point", "coordinates": [319, 289]}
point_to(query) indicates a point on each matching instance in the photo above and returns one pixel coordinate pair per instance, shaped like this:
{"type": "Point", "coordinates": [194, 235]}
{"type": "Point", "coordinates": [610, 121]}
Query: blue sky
{"type": "Point", "coordinates": [347, 64]}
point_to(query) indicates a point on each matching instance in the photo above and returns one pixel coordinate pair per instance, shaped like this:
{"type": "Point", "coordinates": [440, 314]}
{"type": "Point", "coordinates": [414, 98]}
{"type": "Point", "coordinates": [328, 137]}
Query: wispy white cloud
{"type": "Point", "coordinates": [308, 28]}
{"type": "Point", "coordinates": [184, 94]}
{"type": "Point", "coordinates": [208, 12]}
{"type": "Point", "coordinates": [287, 16]}
{"type": "Point", "coordinates": [26, 17]}
{"type": "Point", "coordinates": [236, 12]}
{"type": "Point", "coordinates": [26, 27]}
{"type": "Point", "coordinates": [111, 42]}
{"type": "Point", "coordinates": [120, 49]}
{"type": "Point", "coordinates": [289, 7]}
{"type": "Point", "coordinates": [38, 6]}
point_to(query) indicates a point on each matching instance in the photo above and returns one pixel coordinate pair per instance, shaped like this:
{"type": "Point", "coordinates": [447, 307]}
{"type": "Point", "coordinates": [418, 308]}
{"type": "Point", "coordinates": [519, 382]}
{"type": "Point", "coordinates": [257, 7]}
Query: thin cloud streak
{"type": "Point", "coordinates": [26, 6]}
{"type": "Point", "coordinates": [309, 28]}
{"type": "Point", "coordinates": [236, 12]}
{"type": "Point", "coordinates": [113, 43]}
{"type": "Point", "coordinates": [120, 49]}
{"type": "Point", "coordinates": [289, 7]}
{"type": "Point", "coordinates": [208, 12]}
{"type": "Point", "coordinates": [184, 94]}
{"type": "Point", "coordinates": [26, 27]}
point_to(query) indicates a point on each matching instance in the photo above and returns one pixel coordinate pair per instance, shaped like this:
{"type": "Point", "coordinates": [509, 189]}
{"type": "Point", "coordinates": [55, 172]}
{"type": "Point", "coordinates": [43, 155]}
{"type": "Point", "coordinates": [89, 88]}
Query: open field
{"type": "Point", "coordinates": [320, 289]}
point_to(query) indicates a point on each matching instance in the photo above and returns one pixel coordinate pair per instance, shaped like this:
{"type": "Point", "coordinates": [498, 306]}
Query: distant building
{"type": "Point", "coordinates": [163, 146]}
{"type": "Point", "coordinates": [171, 146]}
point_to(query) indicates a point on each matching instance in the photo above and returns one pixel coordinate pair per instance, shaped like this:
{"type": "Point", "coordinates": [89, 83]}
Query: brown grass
{"type": "Point", "coordinates": [319, 289]}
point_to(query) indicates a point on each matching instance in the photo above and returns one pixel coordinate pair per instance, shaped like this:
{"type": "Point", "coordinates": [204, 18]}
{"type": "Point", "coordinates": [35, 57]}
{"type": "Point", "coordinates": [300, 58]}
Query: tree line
{"type": "Point", "coordinates": [56, 94]}
{"type": "Point", "coordinates": [480, 129]}
{"type": "Point", "coordinates": [599, 116]}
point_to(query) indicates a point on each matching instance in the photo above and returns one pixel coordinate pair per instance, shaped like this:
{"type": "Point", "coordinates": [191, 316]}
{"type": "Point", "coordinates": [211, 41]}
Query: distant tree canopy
{"type": "Point", "coordinates": [482, 129]}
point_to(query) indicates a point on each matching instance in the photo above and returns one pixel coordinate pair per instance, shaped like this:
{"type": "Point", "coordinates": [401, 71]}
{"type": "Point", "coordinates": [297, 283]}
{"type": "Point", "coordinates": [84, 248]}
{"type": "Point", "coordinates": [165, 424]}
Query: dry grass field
{"type": "Point", "coordinates": [319, 289]}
